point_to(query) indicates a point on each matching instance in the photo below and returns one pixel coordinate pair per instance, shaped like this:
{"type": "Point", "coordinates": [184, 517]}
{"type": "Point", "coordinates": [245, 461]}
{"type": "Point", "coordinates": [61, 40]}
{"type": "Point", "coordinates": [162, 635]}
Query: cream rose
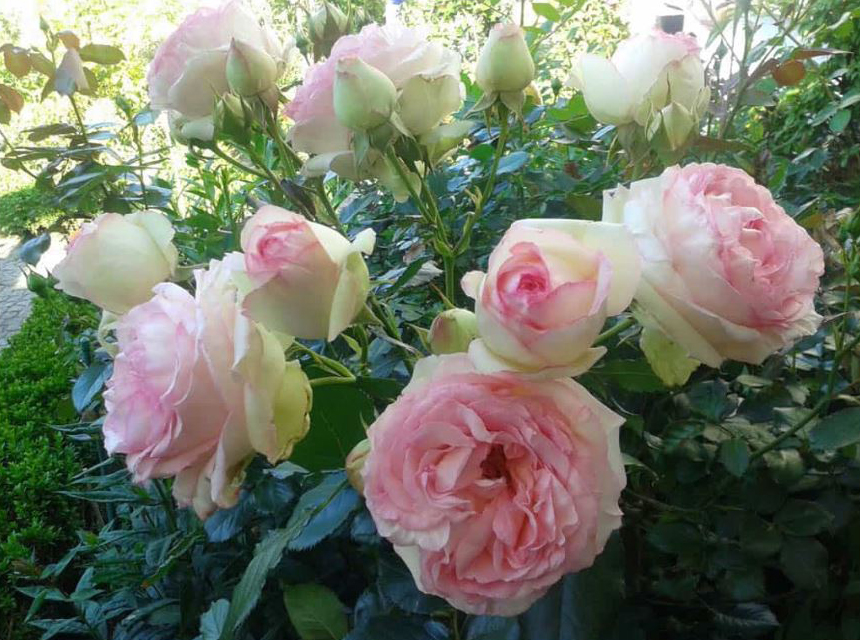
{"type": "Point", "coordinates": [300, 277]}
{"type": "Point", "coordinates": [726, 272]}
{"type": "Point", "coordinates": [190, 69]}
{"type": "Point", "coordinates": [115, 260]}
{"type": "Point", "coordinates": [549, 287]}
{"type": "Point", "coordinates": [651, 79]}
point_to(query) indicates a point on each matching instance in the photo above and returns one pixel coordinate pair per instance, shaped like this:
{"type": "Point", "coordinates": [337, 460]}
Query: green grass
{"type": "Point", "coordinates": [26, 212]}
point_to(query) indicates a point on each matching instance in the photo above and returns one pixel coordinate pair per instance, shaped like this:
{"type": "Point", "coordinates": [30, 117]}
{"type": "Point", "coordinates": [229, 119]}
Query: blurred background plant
{"type": "Point", "coordinates": [741, 512]}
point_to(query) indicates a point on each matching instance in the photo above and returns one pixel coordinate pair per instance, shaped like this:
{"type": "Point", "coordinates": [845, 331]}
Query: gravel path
{"type": "Point", "coordinates": [15, 299]}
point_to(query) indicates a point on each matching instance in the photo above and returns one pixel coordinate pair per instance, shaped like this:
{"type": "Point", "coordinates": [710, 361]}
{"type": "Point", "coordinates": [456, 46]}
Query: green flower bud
{"type": "Point", "coordinates": [505, 63]}
{"type": "Point", "coordinates": [249, 70]}
{"type": "Point", "coordinates": [325, 26]}
{"type": "Point", "coordinates": [355, 463]}
{"type": "Point", "coordinates": [364, 97]}
{"type": "Point", "coordinates": [452, 331]}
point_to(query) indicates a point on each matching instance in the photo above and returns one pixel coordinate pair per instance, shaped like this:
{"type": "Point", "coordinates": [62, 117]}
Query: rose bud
{"type": "Point", "coordinates": [505, 63]}
{"type": "Point", "coordinates": [364, 97]}
{"type": "Point", "coordinates": [452, 331]}
{"type": "Point", "coordinates": [325, 26]}
{"type": "Point", "coordinates": [302, 278]}
{"type": "Point", "coordinates": [355, 463]}
{"type": "Point", "coordinates": [115, 260]}
{"type": "Point", "coordinates": [250, 70]}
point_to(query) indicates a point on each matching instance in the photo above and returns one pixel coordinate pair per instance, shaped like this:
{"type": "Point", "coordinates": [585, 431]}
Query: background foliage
{"type": "Point", "coordinates": [741, 514]}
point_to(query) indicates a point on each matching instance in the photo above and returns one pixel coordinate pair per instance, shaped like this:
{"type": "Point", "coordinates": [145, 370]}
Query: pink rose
{"type": "Point", "coordinates": [492, 487]}
{"type": "Point", "coordinates": [197, 388]}
{"type": "Point", "coordinates": [189, 70]}
{"type": "Point", "coordinates": [726, 272]}
{"type": "Point", "coordinates": [549, 286]}
{"type": "Point", "coordinates": [425, 74]}
{"type": "Point", "coordinates": [302, 278]}
{"type": "Point", "coordinates": [115, 260]}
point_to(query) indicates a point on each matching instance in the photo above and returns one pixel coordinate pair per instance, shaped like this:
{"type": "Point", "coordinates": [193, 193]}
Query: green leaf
{"type": "Point", "coordinates": [803, 518]}
{"type": "Point", "coordinates": [212, 622]}
{"type": "Point", "coordinates": [759, 538]}
{"type": "Point", "coordinates": [315, 611]}
{"type": "Point", "coordinates": [482, 152]}
{"type": "Point", "coordinates": [804, 561]}
{"type": "Point", "coordinates": [748, 620]}
{"type": "Point", "coordinates": [547, 11]}
{"type": "Point", "coordinates": [668, 360]}
{"type": "Point", "coordinates": [226, 523]}
{"type": "Point", "coordinates": [710, 400]}
{"type": "Point", "coordinates": [397, 585]}
{"type": "Point", "coordinates": [407, 275]}
{"type": "Point", "coordinates": [512, 162]}
{"type": "Point", "coordinates": [840, 120]}
{"type": "Point", "coordinates": [101, 54]}
{"type": "Point", "coordinates": [735, 456]}
{"type": "Point", "coordinates": [492, 628]}
{"type": "Point", "coordinates": [266, 555]}
{"type": "Point", "coordinates": [582, 605]}
{"type": "Point", "coordinates": [675, 537]}
{"type": "Point", "coordinates": [338, 419]}
{"type": "Point", "coordinates": [632, 375]}
{"type": "Point", "coordinates": [837, 430]}
{"type": "Point", "coordinates": [90, 383]}
{"type": "Point", "coordinates": [321, 511]}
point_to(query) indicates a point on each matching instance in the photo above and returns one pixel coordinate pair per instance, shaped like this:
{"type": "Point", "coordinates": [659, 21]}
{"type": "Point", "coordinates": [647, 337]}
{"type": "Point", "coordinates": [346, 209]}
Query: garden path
{"type": "Point", "coordinates": [15, 298]}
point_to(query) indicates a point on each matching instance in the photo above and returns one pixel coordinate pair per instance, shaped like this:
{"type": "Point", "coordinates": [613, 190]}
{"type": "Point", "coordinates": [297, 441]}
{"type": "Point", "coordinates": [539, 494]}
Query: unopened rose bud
{"type": "Point", "coordinates": [364, 97]}
{"type": "Point", "coordinates": [325, 26]}
{"type": "Point", "coordinates": [452, 331]}
{"type": "Point", "coordinates": [505, 63]}
{"type": "Point", "coordinates": [249, 70]}
{"type": "Point", "coordinates": [355, 463]}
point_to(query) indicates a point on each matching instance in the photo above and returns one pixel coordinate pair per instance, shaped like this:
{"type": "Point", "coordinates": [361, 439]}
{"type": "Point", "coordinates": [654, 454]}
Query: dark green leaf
{"type": "Point", "coordinates": [582, 605]}
{"type": "Point", "coordinates": [735, 456]}
{"type": "Point", "coordinates": [674, 537]}
{"type": "Point", "coordinates": [315, 611]}
{"type": "Point", "coordinates": [837, 430]}
{"type": "Point", "coordinates": [632, 375]}
{"type": "Point", "coordinates": [803, 518]}
{"type": "Point", "coordinates": [804, 561]}
{"type": "Point", "coordinates": [338, 419]}
{"type": "Point", "coordinates": [247, 592]}
{"type": "Point", "coordinates": [397, 585]}
{"type": "Point", "coordinates": [492, 628]}
{"type": "Point", "coordinates": [323, 509]}
{"type": "Point", "coordinates": [710, 400]}
{"type": "Point", "coordinates": [749, 620]}
{"type": "Point", "coordinates": [226, 523]}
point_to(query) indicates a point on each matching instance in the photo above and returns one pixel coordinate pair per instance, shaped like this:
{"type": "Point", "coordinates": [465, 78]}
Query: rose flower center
{"type": "Point", "coordinates": [495, 465]}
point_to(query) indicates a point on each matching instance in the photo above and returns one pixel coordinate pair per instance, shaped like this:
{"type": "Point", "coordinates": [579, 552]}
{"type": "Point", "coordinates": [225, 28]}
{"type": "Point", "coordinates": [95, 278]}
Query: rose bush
{"type": "Point", "coordinates": [726, 273]}
{"type": "Point", "coordinates": [492, 487]}
{"type": "Point", "coordinates": [653, 496]}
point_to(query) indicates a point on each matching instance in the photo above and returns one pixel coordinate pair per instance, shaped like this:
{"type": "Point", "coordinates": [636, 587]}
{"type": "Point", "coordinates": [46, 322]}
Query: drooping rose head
{"type": "Point", "coordinates": [647, 74]}
{"type": "Point", "coordinates": [425, 74]}
{"type": "Point", "coordinates": [726, 272]}
{"type": "Point", "coordinates": [492, 487]}
{"type": "Point", "coordinates": [505, 63]}
{"type": "Point", "coordinates": [197, 389]}
{"type": "Point", "coordinates": [189, 70]}
{"type": "Point", "coordinates": [115, 260]}
{"type": "Point", "coordinates": [302, 278]}
{"type": "Point", "coordinates": [549, 287]}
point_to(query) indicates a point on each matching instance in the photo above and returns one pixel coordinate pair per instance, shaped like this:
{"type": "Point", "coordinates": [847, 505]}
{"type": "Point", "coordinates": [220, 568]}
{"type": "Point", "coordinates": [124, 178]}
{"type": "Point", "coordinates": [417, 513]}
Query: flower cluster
{"type": "Point", "coordinates": [494, 473]}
